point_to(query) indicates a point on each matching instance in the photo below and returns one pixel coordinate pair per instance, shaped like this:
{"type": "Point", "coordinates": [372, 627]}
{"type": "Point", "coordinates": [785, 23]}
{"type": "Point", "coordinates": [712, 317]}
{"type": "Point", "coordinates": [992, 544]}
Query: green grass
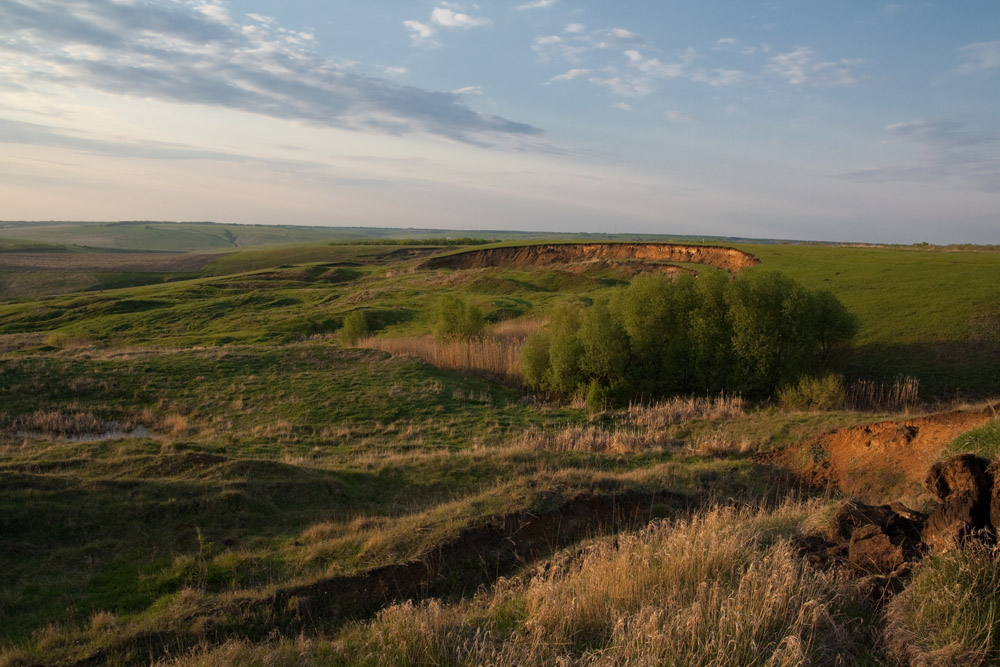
{"type": "Point", "coordinates": [931, 314]}
{"type": "Point", "coordinates": [272, 456]}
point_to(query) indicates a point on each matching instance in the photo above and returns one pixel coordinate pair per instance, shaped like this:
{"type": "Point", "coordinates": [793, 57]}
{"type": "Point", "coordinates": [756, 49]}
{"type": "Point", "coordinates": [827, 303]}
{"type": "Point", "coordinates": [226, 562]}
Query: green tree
{"type": "Point", "coordinates": [605, 346]}
{"type": "Point", "coordinates": [458, 320]}
{"type": "Point", "coordinates": [832, 324]}
{"type": "Point", "coordinates": [354, 328]}
{"type": "Point", "coordinates": [773, 342]}
{"type": "Point", "coordinates": [565, 351]}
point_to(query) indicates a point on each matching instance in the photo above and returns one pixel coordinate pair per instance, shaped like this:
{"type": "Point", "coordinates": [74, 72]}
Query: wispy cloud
{"type": "Point", "coordinates": [802, 66]}
{"type": "Point", "coordinates": [945, 151]}
{"type": "Point", "coordinates": [982, 58]}
{"type": "Point", "coordinates": [202, 54]}
{"type": "Point", "coordinates": [420, 33]}
{"type": "Point", "coordinates": [571, 74]}
{"type": "Point", "coordinates": [448, 18]}
{"type": "Point", "coordinates": [537, 4]}
{"type": "Point", "coordinates": [678, 117]}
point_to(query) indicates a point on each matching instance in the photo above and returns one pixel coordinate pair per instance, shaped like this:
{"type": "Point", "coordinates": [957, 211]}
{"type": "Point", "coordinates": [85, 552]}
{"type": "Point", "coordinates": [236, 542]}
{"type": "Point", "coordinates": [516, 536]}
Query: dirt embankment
{"type": "Point", "coordinates": [473, 558]}
{"type": "Point", "coordinates": [872, 462]}
{"type": "Point", "coordinates": [729, 259]}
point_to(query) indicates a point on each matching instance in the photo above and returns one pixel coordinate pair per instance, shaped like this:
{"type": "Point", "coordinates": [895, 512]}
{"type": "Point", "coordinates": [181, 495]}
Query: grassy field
{"type": "Point", "coordinates": [196, 471]}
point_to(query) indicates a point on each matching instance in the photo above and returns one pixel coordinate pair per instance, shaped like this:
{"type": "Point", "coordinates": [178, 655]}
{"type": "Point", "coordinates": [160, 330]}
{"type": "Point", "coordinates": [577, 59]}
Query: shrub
{"type": "Point", "coordinates": [659, 338]}
{"type": "Point", "coordinates": [812, 393]}
{"type": "Point", "coordinates": [354, 328]}
{"type": "Point", "coordinates": [458, 320]}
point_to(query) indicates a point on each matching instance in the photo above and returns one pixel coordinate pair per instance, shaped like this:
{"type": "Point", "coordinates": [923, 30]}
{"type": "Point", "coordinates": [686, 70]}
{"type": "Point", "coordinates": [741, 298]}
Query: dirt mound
{"type": "Point", "coordinates": [873, 461]}
{"type": "Point", "coordinates": [550, 254]}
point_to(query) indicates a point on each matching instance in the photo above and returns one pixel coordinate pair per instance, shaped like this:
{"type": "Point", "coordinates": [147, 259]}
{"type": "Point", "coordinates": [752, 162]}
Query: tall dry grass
{"type": "Point", "coordinates": [868, 395]}
{"type": "Point", "coordinates": [950, 613]}
{"type": "Point", "coordinates": [54, 424]}
{"type": "Point", "coordinates": [720, 588]}
{"type": "Point", "coordinates": [637, 428]}
{"type": "Point", "coordinates": [496, 355]}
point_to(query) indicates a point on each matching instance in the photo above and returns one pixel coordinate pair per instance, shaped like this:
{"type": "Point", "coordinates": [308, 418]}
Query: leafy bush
{"type": "Point", "coordinates": [658, 337]}
{"type": "Point", "coordinates": [354, 328]}
{"type": "Point", "coordinates": [458, 320]}
{"type": "Point", "coordinates": [812, 393]}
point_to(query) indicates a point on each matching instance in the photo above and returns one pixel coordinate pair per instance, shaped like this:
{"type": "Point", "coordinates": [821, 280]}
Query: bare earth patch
{"type": "Point", "coordinates": [866, 461]}
{"type": "Point", "coordinates": [550, 254]}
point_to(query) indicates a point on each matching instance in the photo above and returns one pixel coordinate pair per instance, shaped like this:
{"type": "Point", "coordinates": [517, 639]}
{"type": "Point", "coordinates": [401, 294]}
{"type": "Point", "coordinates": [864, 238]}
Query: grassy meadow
{"type": "Point", "coordinates": [196, 468]}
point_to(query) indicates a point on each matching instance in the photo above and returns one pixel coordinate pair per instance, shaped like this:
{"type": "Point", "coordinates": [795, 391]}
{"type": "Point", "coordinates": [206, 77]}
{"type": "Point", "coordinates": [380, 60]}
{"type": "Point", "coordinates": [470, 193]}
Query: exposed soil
{"type": "Point", "coordinates": [85, 262]}
{"type": "Point", "coordinates": [729, 259]}
{"type": "Point", "coordinates": [869, 461]}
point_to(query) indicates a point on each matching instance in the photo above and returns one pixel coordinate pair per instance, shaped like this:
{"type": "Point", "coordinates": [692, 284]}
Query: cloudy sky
{"type": "Point", "coordinates": [853, 120]}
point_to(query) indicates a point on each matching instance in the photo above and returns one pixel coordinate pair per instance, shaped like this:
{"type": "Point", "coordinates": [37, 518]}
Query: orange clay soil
{"type": "Point", "coordinates": [729, 259]}
{"type": "Point", "coordinates": [873, 462]}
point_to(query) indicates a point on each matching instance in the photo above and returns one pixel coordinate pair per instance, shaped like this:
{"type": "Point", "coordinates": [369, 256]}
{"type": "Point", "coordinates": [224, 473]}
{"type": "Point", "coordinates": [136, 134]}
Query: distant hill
{"type": "Point", "coordinates": [212, 236]}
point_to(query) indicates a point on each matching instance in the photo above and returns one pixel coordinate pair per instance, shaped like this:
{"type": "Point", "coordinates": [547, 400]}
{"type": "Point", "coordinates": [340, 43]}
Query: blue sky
{"type": "Point", "coordinates": [851, 121]}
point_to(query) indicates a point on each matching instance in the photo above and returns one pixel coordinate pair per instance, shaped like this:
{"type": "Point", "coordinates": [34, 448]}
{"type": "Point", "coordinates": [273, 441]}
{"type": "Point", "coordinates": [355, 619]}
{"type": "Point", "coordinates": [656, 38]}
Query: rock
{"type": "Point", "coordinates": [994, 472]}
{"type": "Point", "coordinates": [964, 486]}
{"type": "Point", "coordinates": [879, 540]}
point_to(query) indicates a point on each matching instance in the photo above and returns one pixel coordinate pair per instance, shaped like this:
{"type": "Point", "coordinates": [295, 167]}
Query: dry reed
{"type": "Point", "coordinates": [869, 395]}
{"type": "Point", "coordinates": [496, 355]}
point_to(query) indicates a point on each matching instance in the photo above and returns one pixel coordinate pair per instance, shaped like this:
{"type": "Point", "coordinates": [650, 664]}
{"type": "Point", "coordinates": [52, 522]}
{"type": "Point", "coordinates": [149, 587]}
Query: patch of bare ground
{"type": "Point", "coordinates": [870, 461]}
{"type": "Point", "coordinates": [730, 259]}
{"type": "Point", "coordinates": [151, 262]}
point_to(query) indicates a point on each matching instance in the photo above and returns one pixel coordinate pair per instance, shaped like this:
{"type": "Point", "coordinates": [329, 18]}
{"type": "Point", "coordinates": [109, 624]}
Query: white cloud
{"type": "Point", "coordinates": [944, 151]}
{"type": "Point", "coordinates": [447, 18]}
{"type": "Point", "coordinates": [623, 106]}
{"type": "Point", "coordinates": [624, 87]}
{"type": "Point", "coordinates": [392, 70]}
{"type": "Point", "coordinates": [802, 66]}
{"type": "Point", "coordinates": [719, 77]}
{"type": "Point", "coordinates": [982, 58]}
{"type": "Point", "coordinates": [571, 74]}
{"type": "Point", "coordinates": [419, 32]}
{"type": "Point", "coordinates": [537, 4]}
{"type": "Point", "coordinates": [678, 117]}
{"type": "Point", "coordinates": [468, 90]}
{"type": "Point", "coordinates": [724, 44]}
{"type": "Point", "coordinates": [574, 28]}
{"type": "Point", "coordinates": [202, 55]}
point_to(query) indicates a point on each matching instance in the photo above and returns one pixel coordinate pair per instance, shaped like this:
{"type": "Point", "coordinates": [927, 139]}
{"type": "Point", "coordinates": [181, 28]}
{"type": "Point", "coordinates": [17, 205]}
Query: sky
{"type": "Point", "coordinates": [847, 121]}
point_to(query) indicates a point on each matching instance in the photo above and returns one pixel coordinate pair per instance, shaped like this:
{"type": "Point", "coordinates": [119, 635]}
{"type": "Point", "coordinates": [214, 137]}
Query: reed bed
{"type": "Point", "coordinates": [900, 394]}
{"type": "Point", "coordinates": [496, 355]}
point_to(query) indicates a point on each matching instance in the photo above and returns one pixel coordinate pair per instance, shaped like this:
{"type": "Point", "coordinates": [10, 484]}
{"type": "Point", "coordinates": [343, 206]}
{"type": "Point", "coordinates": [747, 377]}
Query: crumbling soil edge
{"type": "Point", "coordinates": [857, 460]}
{"type": "Point", "coordinates": [730, 259]}
{"type": "Point", "coordinates": [477, 556]}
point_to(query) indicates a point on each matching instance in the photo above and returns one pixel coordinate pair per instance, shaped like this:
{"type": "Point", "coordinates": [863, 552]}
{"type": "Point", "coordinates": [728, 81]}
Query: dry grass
{"type": "Point", "coordinates": [641, 428]}
{"type": "Point", "coordinates": [496, 356]}
{"type": "Point", "coordinates": [50, 424]}
{"type": "Point", "coordinates": [675, 410]}
{"type": "Point", "coordinates": [871, 396]}
{"type": "Point", "coordinates": [950, 613]}
{"type": "Point", "coordinates": [723, 588]}
{"type": "Point", "coordinates": [618, 440]}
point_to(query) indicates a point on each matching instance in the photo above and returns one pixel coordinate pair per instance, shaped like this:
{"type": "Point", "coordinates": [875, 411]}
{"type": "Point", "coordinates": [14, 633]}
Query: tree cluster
{"type": "Point", "coordinates": [657, 337]}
